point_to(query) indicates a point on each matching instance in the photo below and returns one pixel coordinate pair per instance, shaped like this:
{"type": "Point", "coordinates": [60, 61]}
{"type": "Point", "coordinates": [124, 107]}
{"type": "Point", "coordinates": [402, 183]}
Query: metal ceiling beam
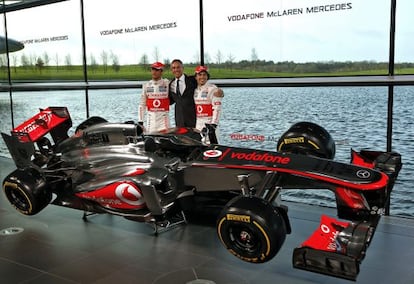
{"type": "Point", "coordinates": [10, 6]}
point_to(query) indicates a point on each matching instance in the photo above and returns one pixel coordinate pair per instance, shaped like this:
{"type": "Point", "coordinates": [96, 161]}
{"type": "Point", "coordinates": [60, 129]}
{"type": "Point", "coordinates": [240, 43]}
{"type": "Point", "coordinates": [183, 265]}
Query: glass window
{"type": "Point", "coordinates": [299, 37]}
{"type": "Point", "coordinates": [404, 38]}
{"type": "Point", "coordinates": [5, 121]}
{"type": "Point", "coordinates": [340, 110]}
{"type": "Point", "coordinates": [51, 35]}
{"type": "Point", "coordinates": [27, 104]}
{"type": "Point", "coordinates": [402, 197]}
{"type": "Point", "coordinates": [115, 105]}
{"type": "Point", "coordinates": [121, 35]}
{"type": "Point", "coordinates": [3, 56]}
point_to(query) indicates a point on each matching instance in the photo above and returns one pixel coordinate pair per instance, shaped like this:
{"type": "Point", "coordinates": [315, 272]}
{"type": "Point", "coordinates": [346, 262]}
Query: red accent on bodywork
{"type": "Point", "coordinates": [136, 172]}
{"type": "Point", "coordinates": [325, 237]}
{"type": "Point", "coordinates": [85, 153]}
{"type": "Point", "coordinates": [351, 198]}
{"type": "Point", "coordinates": [182, 130]}
{"type": "Point", "coordinates": [224, 154]}
{"type": "Point", "coordinates": [358, 159]}
{"type": "Point", "coordinates": [39, 125]}
{"type": "Point", "coordinates": [121, 195]}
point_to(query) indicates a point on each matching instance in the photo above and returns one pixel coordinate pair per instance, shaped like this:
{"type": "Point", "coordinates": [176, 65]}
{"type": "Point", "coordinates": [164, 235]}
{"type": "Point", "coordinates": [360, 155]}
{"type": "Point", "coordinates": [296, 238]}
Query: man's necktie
{"type": "Point", "coordinates": [177, 88]}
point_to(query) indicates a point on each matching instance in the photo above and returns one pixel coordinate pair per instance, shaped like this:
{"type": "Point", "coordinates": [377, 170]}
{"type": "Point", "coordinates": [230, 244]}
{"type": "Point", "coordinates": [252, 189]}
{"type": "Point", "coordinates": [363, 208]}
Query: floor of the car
{"type": "Point", "coordinates": [57, 246]}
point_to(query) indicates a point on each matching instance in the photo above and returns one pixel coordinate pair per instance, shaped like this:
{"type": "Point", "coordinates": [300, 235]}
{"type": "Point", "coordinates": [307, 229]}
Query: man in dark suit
{"type": "Point", "coordinates": [181, 92]}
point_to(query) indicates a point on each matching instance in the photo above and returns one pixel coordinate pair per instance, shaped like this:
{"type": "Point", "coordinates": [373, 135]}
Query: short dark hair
{"type": "Point", "coordinates": [177, 60]}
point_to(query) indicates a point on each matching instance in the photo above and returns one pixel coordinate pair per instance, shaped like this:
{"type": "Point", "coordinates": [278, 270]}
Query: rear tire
{"type": "Point", "coordinates": [27, 191]}
{"type": "Point", "coordinates": [307, 138]}
{"type": "Point", "coordinates": [251, 229]}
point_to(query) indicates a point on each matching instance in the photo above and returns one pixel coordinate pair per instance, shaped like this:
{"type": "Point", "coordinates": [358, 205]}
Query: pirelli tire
{"type": "Point", "coordinates": [251, 229]}
{"type": "Point", "coordinates": [27, 191]}
{"type": "Point", "coordinates": [307, 138]}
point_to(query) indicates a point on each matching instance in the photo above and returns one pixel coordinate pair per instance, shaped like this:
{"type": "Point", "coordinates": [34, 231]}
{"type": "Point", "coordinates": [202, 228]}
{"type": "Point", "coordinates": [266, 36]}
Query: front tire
{"type": "Point", "coordinates": [27, 191]}
{"type": "Point", "coordinates": [251, 229]}
{"type": "Point", "coordinates": [307, 138]}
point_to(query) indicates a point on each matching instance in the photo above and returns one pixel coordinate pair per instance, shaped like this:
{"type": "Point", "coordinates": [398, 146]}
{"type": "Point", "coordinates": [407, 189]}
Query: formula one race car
{"type": "Point", "coordinates": [164, 178]}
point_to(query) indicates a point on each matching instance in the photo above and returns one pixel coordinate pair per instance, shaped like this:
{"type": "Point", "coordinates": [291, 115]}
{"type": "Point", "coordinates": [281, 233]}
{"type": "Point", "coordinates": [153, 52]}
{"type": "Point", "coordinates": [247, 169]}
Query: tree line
{"type": "Point", "coordinates": [110, 61]}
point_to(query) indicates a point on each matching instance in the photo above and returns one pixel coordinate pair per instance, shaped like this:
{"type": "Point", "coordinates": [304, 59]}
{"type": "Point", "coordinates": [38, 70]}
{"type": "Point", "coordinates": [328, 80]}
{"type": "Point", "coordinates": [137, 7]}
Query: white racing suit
{"type": "Point", "coordinates": [208, 107]}
{"type": "Point", "coordinates": [156, 104]}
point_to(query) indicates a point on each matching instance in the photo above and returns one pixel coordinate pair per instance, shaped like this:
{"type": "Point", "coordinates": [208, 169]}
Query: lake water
{"type": "Point", "coordinates": [356, 117]}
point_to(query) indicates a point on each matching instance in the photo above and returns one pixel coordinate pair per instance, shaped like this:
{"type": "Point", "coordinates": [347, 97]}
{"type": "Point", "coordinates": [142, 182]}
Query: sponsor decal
{"type": "Point", "coordinates": [138, 28]}
{"type": "Point", "coordinates": [123, 195]}
{"type": "Point", "coordinates": [364, 174]}
{"type": "Point", "coordinates": [260, 157]}
{"type": "Point", "coordinates": [239, 218]}
{"type": "Point", "coordinates": [37, 126]}
{"type": "Point", "coordinates": [212, 153]}
{"type": "Point", "coordinates": [158, 95]}
{"type": "Point", "coordinates": [43, 119]}
{"type": "Point", "coordinates": [248, 259]}
{"type": "Point", "coordinates": [294, 140]}
{"type": "Point", "coordinates": [129, 194]}
{"type": "Point", "coordinates": [204, 110]}
{"type": "Point", "coordinates": [292, 11]}
{"type": "Point", "coordinates": [45, 39]}
{"type": "Point", "coordinates": [328, 236]}
{"type": "Point", "coordinates": [251, 137]}
{"type": "Point", "coordinates": [156, 103]}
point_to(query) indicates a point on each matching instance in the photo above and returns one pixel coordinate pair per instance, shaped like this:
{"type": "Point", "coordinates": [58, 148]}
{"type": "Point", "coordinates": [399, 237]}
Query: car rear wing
{"type": "Point", "coordinates": [53, 120]}
{"type": "Point", "coordinates": [28, 138]}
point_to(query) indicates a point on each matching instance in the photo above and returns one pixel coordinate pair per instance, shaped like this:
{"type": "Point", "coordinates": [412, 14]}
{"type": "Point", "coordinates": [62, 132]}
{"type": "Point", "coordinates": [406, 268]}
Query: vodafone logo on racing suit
{"type": "Point", "coordinates": [156, 103]}
{"type": "Point", "coordinates": [200, 109]}
{"type": "Point", "coordinates": [204, 110]}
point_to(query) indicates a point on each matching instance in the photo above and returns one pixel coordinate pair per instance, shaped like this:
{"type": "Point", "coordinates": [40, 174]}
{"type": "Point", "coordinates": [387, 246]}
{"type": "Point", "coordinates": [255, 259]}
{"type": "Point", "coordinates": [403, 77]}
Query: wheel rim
{"type": "Point", "coordinates": [244, 238]}
{"type": "Point", "coordinates": [18, 199]}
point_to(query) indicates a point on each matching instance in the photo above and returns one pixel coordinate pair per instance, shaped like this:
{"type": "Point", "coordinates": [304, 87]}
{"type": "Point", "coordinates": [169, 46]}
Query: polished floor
{"type": "Point", "coordinates": [57, 246]}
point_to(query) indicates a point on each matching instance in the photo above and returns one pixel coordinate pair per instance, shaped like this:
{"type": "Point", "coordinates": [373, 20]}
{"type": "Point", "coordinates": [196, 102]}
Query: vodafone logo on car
{"type": "Point", "coordinates": [122, 194]}
{"type": "Point", "coordinates": [129, 194]}
{"type": "Point", "coordinates": [43, 119]}
{"type": "Point", "coordinates": [212, 153]}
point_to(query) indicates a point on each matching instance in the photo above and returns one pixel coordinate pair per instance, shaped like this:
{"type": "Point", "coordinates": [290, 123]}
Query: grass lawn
{"type": "Point", "coordinates": [134, 72]}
